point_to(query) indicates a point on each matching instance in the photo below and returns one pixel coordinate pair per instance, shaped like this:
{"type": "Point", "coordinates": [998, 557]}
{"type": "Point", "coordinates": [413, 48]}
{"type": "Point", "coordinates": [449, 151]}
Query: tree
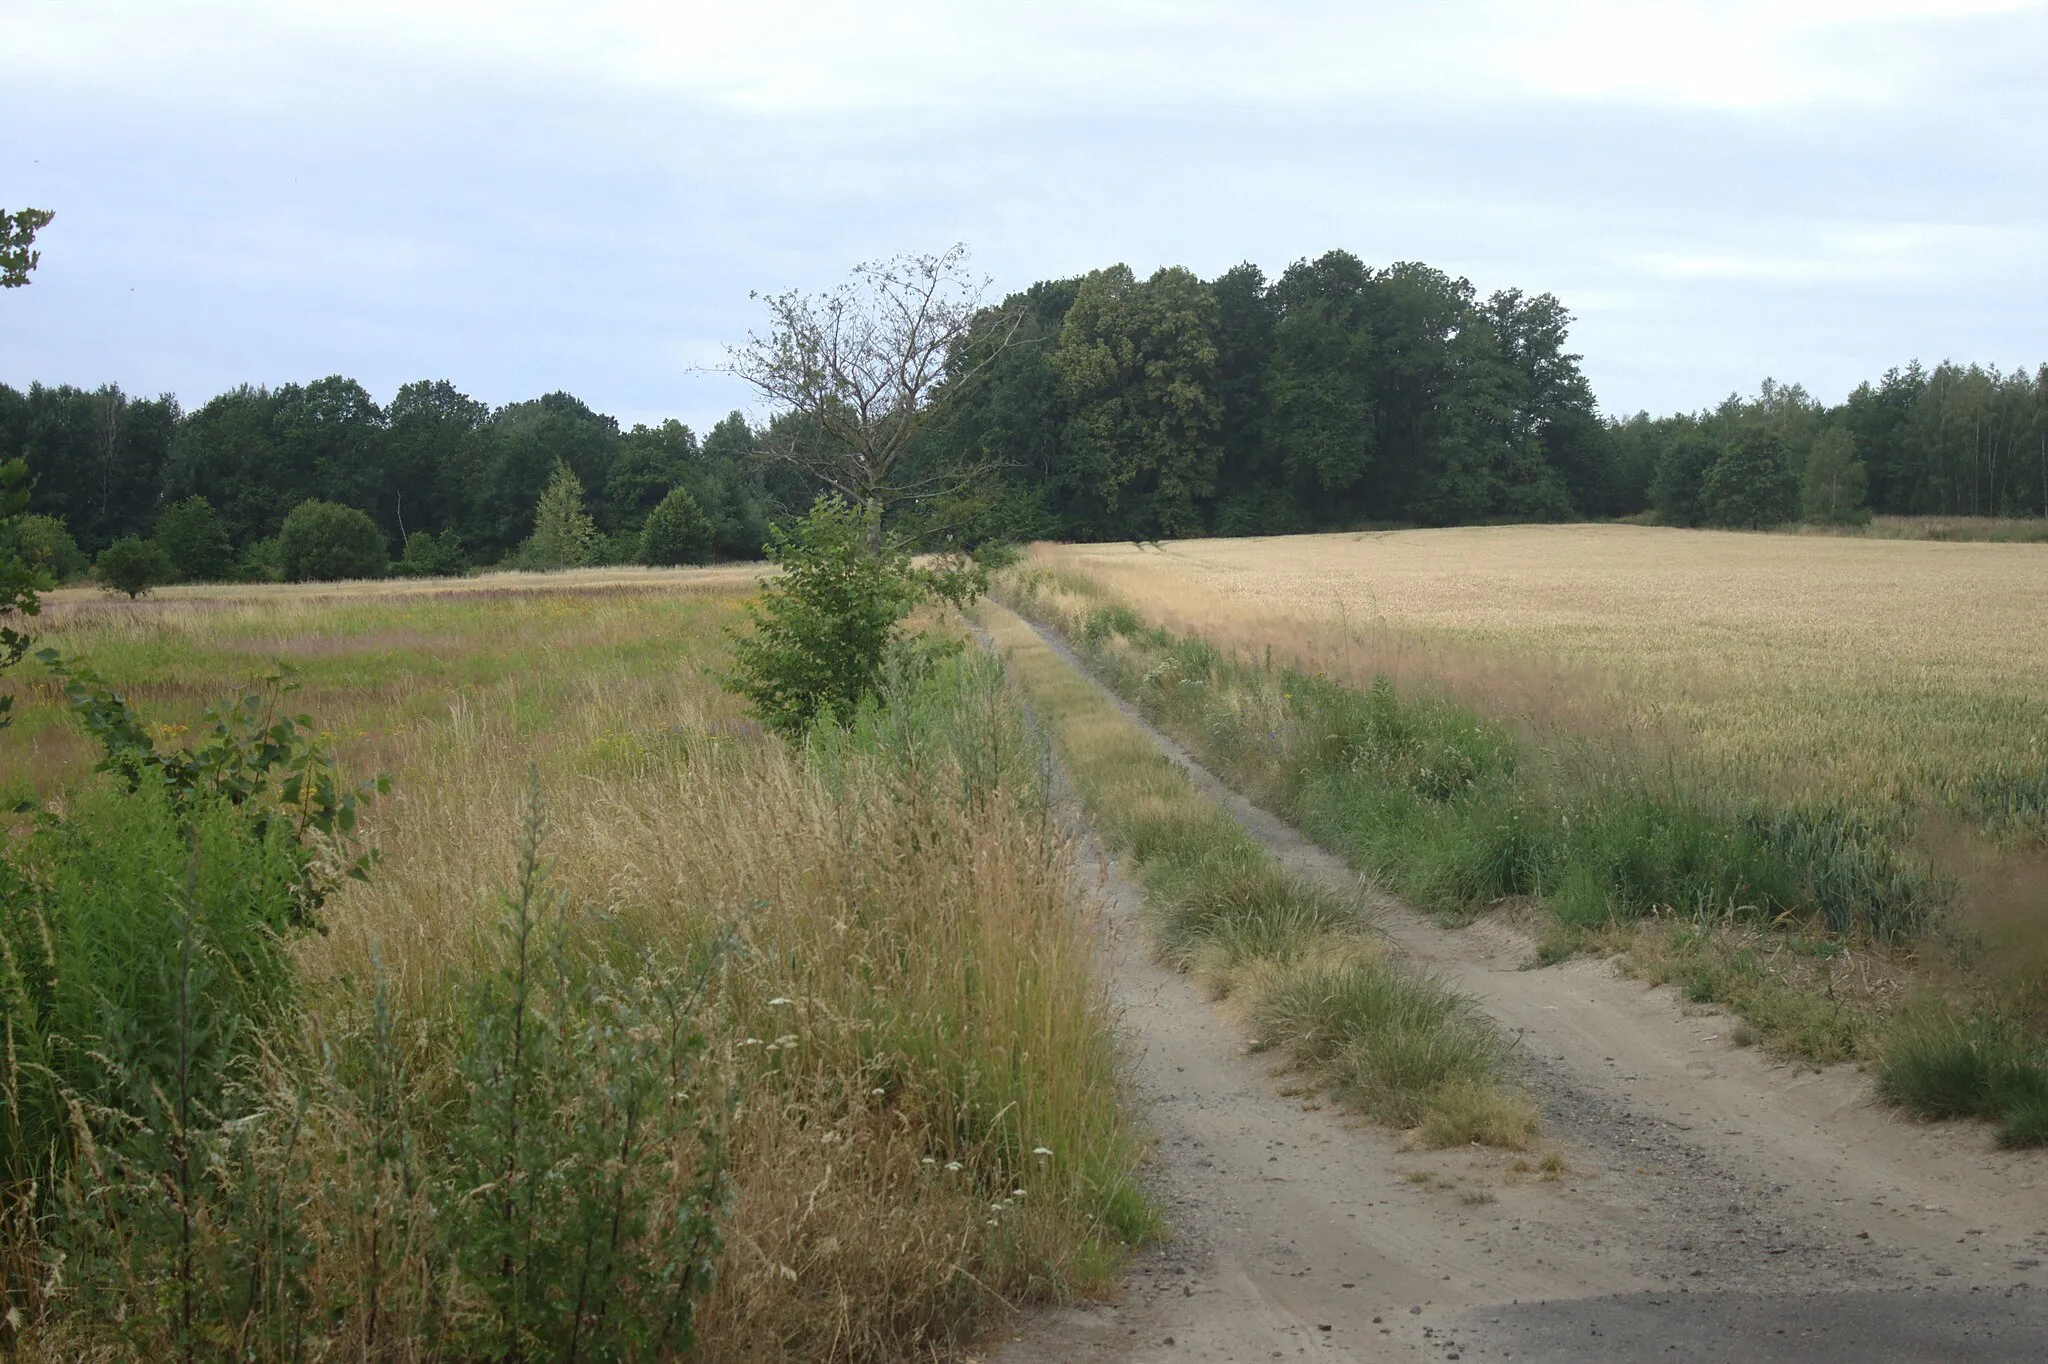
{"type": "Point", "coordinates": [428, 555]}
{"type": "Point", "coordinates": [45, 543]}
{"type": "Point", "coordinates": [1751, 485]}
{"type": "Point", "coordinates": [863, 366]}
{"type": "Point", "coordinates": [322, 541]}
{"type": "Point", "coordinates": [1832, 488]}
{"type": "Point", "coordinates": [564, 536]}
{"type": "Point", "coordinates": [1137, 367]}
{"type": "Point", "coordinates": [823, 628]}
{"type": "Point", "coordinates": [17, 240]}
{"type": "Point", "coordinates": [194, 538]}
{"type": "Point", "coordinates": [676, 532]}
{"type": "Point", "coordinates": [20, 580]}
{"type": "Point", "coordinates": [133, 565]}
{"type": "Point", "coordinates": [1681, 473]}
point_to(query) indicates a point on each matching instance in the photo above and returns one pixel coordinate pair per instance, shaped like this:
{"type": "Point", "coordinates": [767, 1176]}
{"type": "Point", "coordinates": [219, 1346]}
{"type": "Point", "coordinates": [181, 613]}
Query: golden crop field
{"type": "Point", "coordinates": [1839, 667]}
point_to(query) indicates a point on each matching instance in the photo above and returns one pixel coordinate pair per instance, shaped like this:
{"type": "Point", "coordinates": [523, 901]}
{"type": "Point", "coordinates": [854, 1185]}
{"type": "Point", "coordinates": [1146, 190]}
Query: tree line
{"type": "Point", "coordinates": [440, 476]}
{"type": "Point", "coordinates": [1104, 406]}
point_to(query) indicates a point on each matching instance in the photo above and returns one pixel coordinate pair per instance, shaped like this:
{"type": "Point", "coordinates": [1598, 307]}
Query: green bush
{"type": "Point", "coordinates": [133, 565]}
{"type": "Point", "coordinates": [325, 541]}
{"type": "Point", "coordinates": [44, 543]}
{"type": "Point", "coordinates": [195, 540]}
{"type": "Point", "coordinates": [144, 937]}
{"type": "Point", "coordinates": [585, 1173]}
{"type": "Point", "coordinates": [677, 532]}
{"type": "Point", "coordinates": [823, 630]}
{"type": "Point", "coordinates": [261, 562]}
{"type": "Point", "coordinates": [1834, 483]}
{"type": "Point", "coordinates": [1752, 485]}
{"type": "Point", "coordinates": [1675, 487]}
{"type": "Point", "coordinates": [428, 555]}
{"type": "Point", "coordinates": [20, 580]}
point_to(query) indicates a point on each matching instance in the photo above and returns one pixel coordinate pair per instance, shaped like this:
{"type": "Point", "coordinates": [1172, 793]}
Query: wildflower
{"type": "Point", "coordinates": [778, 1002]}
{"type": "Point", "coordinates": [953, 1165]}
{"type": "Point", "coordinates": [1041, 1150]}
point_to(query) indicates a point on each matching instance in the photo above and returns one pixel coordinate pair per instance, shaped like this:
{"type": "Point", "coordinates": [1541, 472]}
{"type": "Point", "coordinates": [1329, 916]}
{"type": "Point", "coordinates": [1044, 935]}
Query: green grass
{"type": "Point", "coordinates": [1316, 984]}
{"type": "Point", "coordinates": [1945, 1066]}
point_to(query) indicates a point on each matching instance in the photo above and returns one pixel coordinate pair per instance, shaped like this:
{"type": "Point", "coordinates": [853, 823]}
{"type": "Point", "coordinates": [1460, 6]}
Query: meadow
{"type": "Point", "coordinates": [1801, 776]}
{"type": "Point", "coordinates": [894, 1107]}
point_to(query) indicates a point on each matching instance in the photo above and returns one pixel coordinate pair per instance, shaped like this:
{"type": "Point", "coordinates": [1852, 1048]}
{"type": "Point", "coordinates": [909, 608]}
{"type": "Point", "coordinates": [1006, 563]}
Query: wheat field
{"type": "Point", "coordinates": [1836, 667]}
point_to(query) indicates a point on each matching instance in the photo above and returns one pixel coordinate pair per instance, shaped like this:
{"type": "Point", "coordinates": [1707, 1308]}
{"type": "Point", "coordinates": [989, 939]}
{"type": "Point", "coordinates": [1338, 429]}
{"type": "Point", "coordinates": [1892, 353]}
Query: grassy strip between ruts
{"type": "Point", "coordinates": [1803, 920]}
{"type": "Point", "coordinates": [1298, 961]}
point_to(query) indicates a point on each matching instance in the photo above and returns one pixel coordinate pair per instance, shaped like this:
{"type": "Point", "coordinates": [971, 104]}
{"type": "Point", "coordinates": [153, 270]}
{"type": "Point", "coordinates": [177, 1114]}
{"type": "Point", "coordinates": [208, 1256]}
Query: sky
{"type": "Point", "coordinates": [525, 197]}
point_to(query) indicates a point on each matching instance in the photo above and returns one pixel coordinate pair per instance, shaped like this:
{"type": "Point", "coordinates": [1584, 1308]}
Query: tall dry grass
{"type": "Point", "coordinates": [927, 1130]}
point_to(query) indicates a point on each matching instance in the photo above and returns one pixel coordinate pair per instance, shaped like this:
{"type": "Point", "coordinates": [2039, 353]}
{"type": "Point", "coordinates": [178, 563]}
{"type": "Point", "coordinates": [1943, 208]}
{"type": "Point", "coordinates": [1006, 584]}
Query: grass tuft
{"type": "Point", "coordinates": [1944, 1066]}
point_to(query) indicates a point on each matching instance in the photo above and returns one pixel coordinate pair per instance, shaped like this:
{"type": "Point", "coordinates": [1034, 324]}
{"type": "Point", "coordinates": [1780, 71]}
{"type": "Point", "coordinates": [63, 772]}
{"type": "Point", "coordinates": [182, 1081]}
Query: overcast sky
{"type": "Point", "coordinates": [526, 197]}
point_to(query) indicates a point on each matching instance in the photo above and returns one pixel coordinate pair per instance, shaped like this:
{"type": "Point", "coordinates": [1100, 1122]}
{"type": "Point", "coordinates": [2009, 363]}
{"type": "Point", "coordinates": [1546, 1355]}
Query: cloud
{"type": "Point", "coordinates": [528, 196]}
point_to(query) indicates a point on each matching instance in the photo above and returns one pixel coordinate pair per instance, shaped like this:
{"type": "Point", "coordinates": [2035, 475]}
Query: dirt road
{"type": "Point", "coordinates": [1716, 1205]}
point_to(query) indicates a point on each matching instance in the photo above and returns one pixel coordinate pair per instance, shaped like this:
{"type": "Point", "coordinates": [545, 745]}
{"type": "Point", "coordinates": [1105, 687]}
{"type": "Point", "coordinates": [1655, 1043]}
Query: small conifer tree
{"type": "Point", "coordinates": [564, 536]}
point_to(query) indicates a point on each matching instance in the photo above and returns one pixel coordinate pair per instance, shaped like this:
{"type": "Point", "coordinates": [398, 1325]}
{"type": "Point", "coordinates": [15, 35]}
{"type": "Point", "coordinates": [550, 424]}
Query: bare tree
{"type": "Point", "coordinates": [862, 366]}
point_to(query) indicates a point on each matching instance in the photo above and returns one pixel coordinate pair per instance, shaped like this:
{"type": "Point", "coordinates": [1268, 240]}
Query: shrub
{"type": "Point", "coordinates": [677, 532]}
{"type": "Point", "coordinates": [563, 536]}
{"type": "Point", "coordinates": [1833, 486]}
{"type": "Point", "coordinates": [433, 556]}
{"type": "Point", "coordinates": [260, 562]}
{"type": "Point", "coordinates": [145, 936]}
{"type": "Point", "coordinates": [20, 580]}
{"type": "Point", "coordinates": [1681, 472]}
{"type": "Point", "coordinates": [1751, 485]}
{"type": "Point", "coordinates": [194, 539]}
{"type": "Point", "coordinates": [43, 542]}
{"type": "Point", "coordinates": [586, 1174]}
{"type": "Point", "coordinates": [322, 541]}
{"type": "Point", "coordinates": [823, 629]}
{"type": "Point", "coordinates": [133, 565]}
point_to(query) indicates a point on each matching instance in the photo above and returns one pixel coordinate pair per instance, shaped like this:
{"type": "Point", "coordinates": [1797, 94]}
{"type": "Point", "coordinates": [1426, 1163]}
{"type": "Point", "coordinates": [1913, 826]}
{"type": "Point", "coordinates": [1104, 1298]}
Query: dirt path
{"type": "Point", "coordinates": [1718, 1206]}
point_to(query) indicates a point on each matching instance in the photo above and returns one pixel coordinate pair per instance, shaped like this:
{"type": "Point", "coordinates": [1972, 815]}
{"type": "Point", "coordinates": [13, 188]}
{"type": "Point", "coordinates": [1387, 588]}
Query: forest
{"type": "Point", "coordinates": [1105, 407]}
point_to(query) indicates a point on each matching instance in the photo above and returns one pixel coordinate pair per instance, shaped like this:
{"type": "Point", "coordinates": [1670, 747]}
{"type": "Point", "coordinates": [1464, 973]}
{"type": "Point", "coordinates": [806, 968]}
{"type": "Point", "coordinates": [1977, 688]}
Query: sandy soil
{"type": "Point", "coordinates": [1718, 1205]}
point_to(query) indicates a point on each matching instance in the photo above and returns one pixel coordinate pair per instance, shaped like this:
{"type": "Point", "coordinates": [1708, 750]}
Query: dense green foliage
{"type": "Point", "coordinates": [44, 544]}
{"type": "Point", "coordinates": [434, 461]}
{"type": "Point", "coordinates": [21, 579]}
{"type": "Point", "coordinates": [1751, 486]}
{"type": "Point", "coordinates": [325, 540]}
{"type": "Point", "coordinates": [823, 631]}
{"type": "Point", "coordinates": [564, 535]}
{"type": "Point", "coordinates": [676, 532]}
{"type": "Point", "coordinates": [428, 555]}
{"type": "Point", "coordinates": [1951, 441]}
{"type": "Point", "coordinates": [133, 565]}
{"type": "Point", "coordinates": [194, 538]}
{"type": "Point", "coordinates": [18, 256]}
{"type": "Point", "coordinates": [1116, 407]}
